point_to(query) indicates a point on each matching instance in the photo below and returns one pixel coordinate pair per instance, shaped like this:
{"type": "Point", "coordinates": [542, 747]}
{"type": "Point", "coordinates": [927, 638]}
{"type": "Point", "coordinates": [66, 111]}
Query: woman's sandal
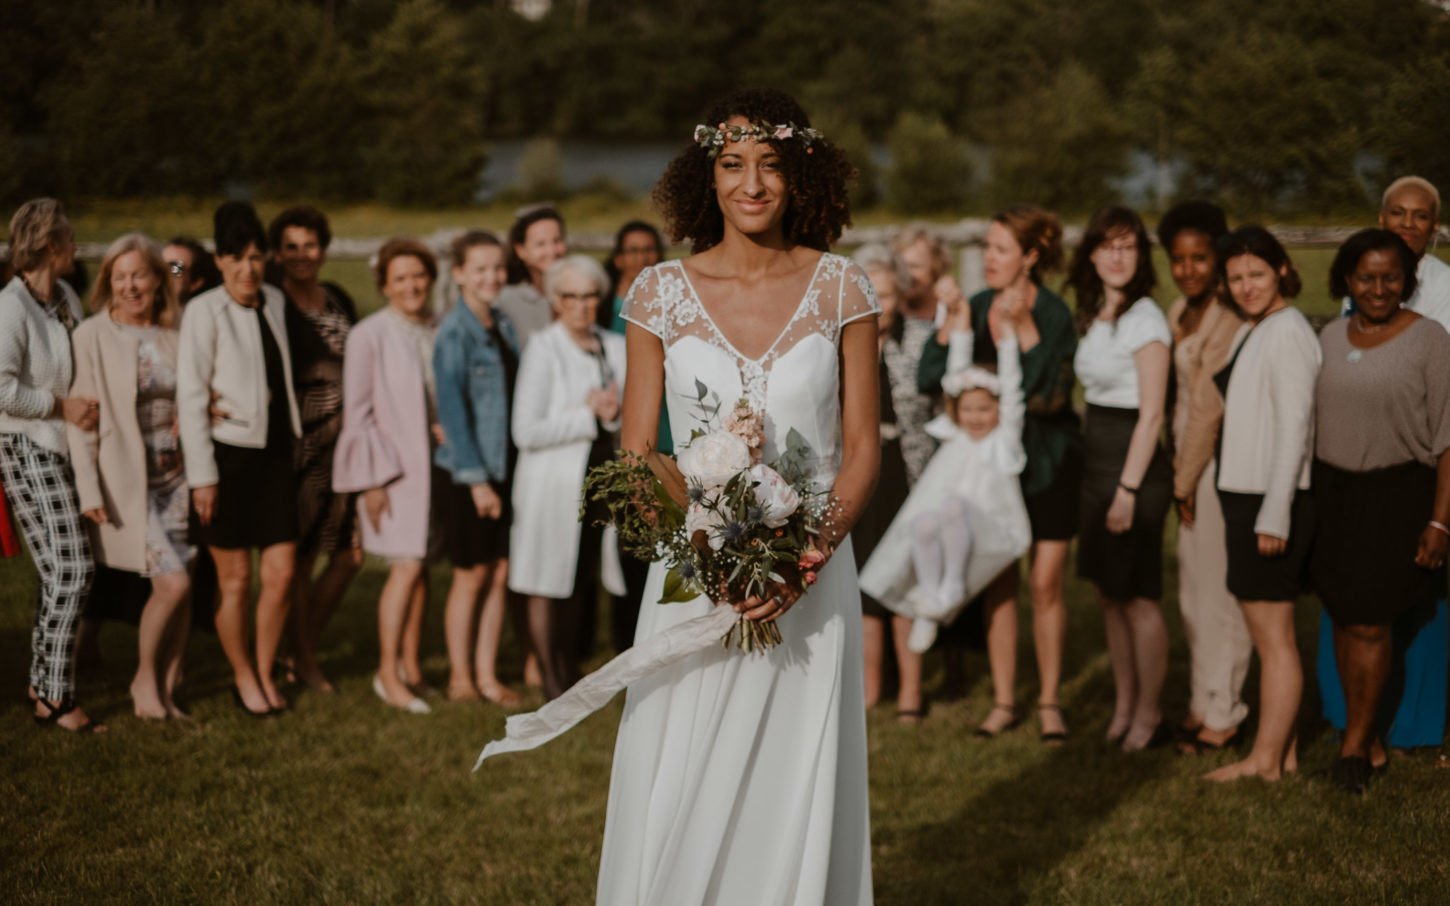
{"type": "Point", "coordinates": [984, 732]}
{"type": "Point", "coordinates": [57, 711]}
{"type": "Point", "coordinates": [910, 715]}
{"type": "Point", "coordinates": [1055, 737]}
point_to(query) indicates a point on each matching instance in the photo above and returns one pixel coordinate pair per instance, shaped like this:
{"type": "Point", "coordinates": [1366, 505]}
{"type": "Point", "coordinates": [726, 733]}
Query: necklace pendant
{"type": "Point", "coordinates": [1354, 355]}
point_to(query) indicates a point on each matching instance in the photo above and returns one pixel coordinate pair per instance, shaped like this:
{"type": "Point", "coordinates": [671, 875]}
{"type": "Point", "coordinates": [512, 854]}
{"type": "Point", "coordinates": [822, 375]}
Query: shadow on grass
{"type": "Point", "coordinates": [1003, 844]}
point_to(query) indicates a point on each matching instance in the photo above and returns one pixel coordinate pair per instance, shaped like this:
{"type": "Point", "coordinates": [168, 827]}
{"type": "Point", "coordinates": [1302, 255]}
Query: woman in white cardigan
{"type": "Point", "coordinates": [565, 415]}
{"type": "Point", "coordinates": [1265, 451]}
{"type": "Point", "coordinates": [128, 470]}
{"type": "Point", "coordinates": [239, 422]}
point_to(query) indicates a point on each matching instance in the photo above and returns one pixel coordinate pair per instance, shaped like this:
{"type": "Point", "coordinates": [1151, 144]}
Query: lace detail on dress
{"type": "Point", "coordinates": [663, 301]}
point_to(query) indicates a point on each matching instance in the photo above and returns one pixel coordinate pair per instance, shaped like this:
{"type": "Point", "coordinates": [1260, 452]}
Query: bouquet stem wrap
{"type": "Point", "coordinates": [529, 731]}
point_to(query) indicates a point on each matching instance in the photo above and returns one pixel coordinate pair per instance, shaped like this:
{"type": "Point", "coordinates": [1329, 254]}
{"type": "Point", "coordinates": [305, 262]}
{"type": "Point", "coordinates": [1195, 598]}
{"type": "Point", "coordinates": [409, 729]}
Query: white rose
{"type": "Point", "coordinates": [773, 495]}
{"type": "Point", "coordinates": [698, 518]}
{"type": "Point", "coordinates": [713, 459]}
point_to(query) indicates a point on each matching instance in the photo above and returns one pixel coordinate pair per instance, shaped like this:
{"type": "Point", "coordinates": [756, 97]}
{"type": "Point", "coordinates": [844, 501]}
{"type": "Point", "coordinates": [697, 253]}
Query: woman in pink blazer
{"type": "Point", "coordinates": [385, 452]}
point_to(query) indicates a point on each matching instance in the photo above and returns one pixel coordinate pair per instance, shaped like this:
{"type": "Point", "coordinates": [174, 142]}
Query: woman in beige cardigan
{"type": "Point", "coordinates": [1204, 322]}
{"type": "Point", "coordinates": [128, 470]}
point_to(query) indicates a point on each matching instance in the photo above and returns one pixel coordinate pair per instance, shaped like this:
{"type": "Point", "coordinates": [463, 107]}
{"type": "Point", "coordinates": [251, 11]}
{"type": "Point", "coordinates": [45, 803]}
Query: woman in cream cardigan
{"type": "Point", "coordinates": [128, 470]}
{"type": "Point", "coordinates": [565, 415]}
{"type": "Point", "coordinates": [239, 422]}
{"type": "Point", "coordinates": [1263, 479]}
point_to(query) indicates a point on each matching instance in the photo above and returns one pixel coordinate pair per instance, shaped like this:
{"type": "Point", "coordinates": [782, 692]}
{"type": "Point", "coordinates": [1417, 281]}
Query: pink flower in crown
{"type": "Point", "coordinates": [784, 132]}
{"type": "Point", "coordinates": [809, 577]}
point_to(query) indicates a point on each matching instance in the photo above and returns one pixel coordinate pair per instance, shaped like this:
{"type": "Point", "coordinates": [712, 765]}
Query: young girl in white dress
{"type": "Point", "coordinates": [964, 521]}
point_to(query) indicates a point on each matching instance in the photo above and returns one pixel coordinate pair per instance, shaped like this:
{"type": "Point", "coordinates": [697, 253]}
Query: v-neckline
{"type": "Point", "coordinates": [735, 350]}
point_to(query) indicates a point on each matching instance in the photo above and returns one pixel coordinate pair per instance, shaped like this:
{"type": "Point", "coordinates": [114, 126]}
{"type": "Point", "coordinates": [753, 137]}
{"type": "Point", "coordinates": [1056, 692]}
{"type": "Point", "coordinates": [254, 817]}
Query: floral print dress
{"type": "Point", "coordinates": [167, 546]}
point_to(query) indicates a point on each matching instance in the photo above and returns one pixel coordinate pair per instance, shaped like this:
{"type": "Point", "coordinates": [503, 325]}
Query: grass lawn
{"type": "Point", "coordinates": [346, 801]}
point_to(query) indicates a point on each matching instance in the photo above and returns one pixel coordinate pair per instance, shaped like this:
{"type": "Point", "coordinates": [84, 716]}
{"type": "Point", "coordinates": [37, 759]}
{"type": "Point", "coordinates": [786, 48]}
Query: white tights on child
{"type": "Point", "coordinates": [941, 543]}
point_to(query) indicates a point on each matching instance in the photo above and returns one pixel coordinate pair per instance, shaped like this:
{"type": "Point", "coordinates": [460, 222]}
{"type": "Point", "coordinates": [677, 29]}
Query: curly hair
{"type": "Point", "coordinates": [304, 216]}
{"type": "Point", "coordinates": [1082, 273]}
{"type": "Point", "coordinates": [816, 178]}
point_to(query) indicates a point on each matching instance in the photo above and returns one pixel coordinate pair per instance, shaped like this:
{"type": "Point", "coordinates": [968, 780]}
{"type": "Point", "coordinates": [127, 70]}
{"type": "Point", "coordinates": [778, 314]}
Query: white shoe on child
{"type": "Point", "coordinates": [923, 633]}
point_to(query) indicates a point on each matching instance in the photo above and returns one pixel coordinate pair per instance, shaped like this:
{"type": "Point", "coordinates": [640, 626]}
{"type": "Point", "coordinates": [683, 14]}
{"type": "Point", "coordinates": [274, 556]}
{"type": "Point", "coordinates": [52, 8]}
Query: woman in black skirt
{"type": "Point", "coordinates": [1123, 361]}
{"type": "Point", "coordinates": [1381, 478]}
{"type": "Point", "coordinates": [234, 363]}
{"type": "Point", "coordinates": [1263, 479]}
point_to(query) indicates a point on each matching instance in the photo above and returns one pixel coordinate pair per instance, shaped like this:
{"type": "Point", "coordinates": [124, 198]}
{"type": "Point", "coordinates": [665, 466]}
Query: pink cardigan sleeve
{"type": "Point", "coordinates": [365, 458]}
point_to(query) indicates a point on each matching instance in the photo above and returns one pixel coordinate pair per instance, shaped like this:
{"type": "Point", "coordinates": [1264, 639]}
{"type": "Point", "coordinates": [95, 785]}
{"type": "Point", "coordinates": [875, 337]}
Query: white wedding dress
{"type": "Point", "coordinates": [740, 778]}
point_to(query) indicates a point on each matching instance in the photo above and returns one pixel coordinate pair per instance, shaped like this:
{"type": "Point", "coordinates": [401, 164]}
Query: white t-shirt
{"type": "Point", "coordinates": [1432, 295]}
{"type": "Point", "coordinates": [1104, 361]}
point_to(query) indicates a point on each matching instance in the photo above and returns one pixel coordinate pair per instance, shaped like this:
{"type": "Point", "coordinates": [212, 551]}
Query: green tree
{"type": "Point", "coordinates": [118, 106]}
{"type": "Point", "coordinates": [931, 169]}
{"type": "Point", "coordinates": [1059, 143]}
{"type": "Point", "coordinates": [1259, 145]}
{"type": "Point", "coordinates": [423, 93]}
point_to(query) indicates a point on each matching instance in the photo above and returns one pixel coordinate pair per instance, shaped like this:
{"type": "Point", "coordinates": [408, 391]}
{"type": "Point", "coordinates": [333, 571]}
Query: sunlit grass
{"type": "Point", "coordinates": [346, 801]}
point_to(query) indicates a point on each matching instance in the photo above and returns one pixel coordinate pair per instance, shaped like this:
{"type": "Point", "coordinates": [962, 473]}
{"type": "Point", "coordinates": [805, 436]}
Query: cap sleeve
{"type": "Point", "coordinates": [858, 296]}
{"type": "Point", "coordinates": [1143, 324]}
{"type": "Point", "coordinates": [645, 304]}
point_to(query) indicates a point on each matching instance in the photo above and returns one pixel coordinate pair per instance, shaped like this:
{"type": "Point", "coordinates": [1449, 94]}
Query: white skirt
{"type": "Point", "coordinates": [740, 778]}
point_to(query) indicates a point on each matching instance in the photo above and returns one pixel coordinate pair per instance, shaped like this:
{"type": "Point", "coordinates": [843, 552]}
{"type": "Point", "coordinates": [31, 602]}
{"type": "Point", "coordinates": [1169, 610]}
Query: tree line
{"type": "Point", "coordinates": [1296, 106]}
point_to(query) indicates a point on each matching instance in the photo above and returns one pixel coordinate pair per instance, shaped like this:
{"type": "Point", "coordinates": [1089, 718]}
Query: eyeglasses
{"type": "Point", "coordinates": [579, 297]}
{"type": "Point", "coordinates": [177, 267]}
{"type": "Point", "coordinates": [1119, 249]}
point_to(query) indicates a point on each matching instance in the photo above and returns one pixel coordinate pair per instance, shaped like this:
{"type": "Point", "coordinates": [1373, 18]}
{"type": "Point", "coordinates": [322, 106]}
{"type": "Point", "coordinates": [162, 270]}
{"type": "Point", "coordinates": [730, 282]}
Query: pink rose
{"type": "Point", "coordinates": [809, 577]}
{"type": "Point", "coordinates": [784, 132]}
{"type": "Point", "coordinates": [811, 558]}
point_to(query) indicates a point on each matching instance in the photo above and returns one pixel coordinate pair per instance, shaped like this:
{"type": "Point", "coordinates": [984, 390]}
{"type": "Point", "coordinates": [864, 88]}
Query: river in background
{"type": "Point", "coordinates": [635, 168]}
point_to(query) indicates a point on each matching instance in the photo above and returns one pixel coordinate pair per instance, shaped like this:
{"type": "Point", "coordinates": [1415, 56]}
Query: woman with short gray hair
{"type": "Point", "coordinates": [565, 414]}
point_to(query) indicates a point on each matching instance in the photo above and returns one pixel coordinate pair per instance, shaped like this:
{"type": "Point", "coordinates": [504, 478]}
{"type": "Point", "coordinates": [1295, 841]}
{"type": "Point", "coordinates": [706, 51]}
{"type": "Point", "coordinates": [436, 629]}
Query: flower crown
{"type": "Point", "coordinates": [971, 378]}
{"type": "Point", "coordinates": [713, 138]}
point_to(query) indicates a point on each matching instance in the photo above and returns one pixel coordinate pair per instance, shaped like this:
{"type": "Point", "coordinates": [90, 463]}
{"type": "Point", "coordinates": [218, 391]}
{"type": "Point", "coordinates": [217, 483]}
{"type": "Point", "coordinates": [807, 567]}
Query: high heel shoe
{"type": "Point", "coordinates": [986, 732]}
{"type": "Point", "coordinates": [414, 706]}
{"type": "Point", "coordinates": [242, 703]}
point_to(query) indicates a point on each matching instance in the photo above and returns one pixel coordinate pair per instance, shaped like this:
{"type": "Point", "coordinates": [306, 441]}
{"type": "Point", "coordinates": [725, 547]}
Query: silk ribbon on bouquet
{"type": "Point", "coordinates": [529, 731]}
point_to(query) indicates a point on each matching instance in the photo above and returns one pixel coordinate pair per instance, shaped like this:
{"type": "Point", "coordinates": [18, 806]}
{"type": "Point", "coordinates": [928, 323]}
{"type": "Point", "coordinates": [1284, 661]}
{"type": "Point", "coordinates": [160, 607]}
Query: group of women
{"type": "Point", "coordinates": [264, 416]}
{"type": "Point", "coordinates": [183, 425]}
{"type": "Point", "coordinates": [1294, 461]}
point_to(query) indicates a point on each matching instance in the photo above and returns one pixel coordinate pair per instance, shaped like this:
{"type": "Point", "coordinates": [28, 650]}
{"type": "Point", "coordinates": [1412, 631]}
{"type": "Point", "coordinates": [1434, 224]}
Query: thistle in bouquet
{"type": "Point", "coordinates": [726, 524]}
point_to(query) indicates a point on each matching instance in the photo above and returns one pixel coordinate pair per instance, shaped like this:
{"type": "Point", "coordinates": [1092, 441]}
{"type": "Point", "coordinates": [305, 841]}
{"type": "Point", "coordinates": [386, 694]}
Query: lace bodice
{"type": "Point", "coordinates": [794, 384]}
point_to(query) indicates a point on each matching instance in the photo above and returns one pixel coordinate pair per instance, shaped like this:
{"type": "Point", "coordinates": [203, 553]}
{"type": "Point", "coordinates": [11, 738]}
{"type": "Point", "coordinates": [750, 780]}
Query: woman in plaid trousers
{"type": "Point", "coordinates": [37, 313]}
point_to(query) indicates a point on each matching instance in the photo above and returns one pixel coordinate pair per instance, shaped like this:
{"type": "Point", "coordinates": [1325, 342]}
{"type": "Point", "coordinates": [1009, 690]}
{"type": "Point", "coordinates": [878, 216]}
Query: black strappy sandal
{"type": "Point", "coordinates": [1056, 737]}
{"type": "Point", "coordinates": [57, 711]}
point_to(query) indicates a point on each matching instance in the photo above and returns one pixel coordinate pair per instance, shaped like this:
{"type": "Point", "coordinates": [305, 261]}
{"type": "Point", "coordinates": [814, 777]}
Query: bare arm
{"type": "Point", "coordinates": [1151, 362]}
{"type": "Point", "coordinates": [644, 387]}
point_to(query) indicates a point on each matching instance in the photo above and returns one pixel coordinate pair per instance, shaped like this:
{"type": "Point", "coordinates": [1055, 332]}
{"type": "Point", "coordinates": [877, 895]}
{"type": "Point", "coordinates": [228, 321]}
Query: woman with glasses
{"type": "Point", "coordinates": [565, 415]}
{"type": "Point", "coordinates": [1123, 362]}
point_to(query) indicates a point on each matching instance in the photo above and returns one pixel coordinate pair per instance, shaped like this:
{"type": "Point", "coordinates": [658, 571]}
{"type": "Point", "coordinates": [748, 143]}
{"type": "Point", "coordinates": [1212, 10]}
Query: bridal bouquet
{"type": "Point", "coordinates": [726, 524]}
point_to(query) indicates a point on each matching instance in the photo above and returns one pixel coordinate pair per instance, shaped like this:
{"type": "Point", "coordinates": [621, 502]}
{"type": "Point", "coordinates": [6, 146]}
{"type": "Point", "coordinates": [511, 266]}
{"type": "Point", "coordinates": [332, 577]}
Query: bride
{"type": "Point", "coordinates": [741, 777]}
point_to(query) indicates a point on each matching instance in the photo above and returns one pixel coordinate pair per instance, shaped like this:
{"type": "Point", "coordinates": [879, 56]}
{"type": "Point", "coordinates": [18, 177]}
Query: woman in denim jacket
{"type": "Point", "coordinates": [475, 360]}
